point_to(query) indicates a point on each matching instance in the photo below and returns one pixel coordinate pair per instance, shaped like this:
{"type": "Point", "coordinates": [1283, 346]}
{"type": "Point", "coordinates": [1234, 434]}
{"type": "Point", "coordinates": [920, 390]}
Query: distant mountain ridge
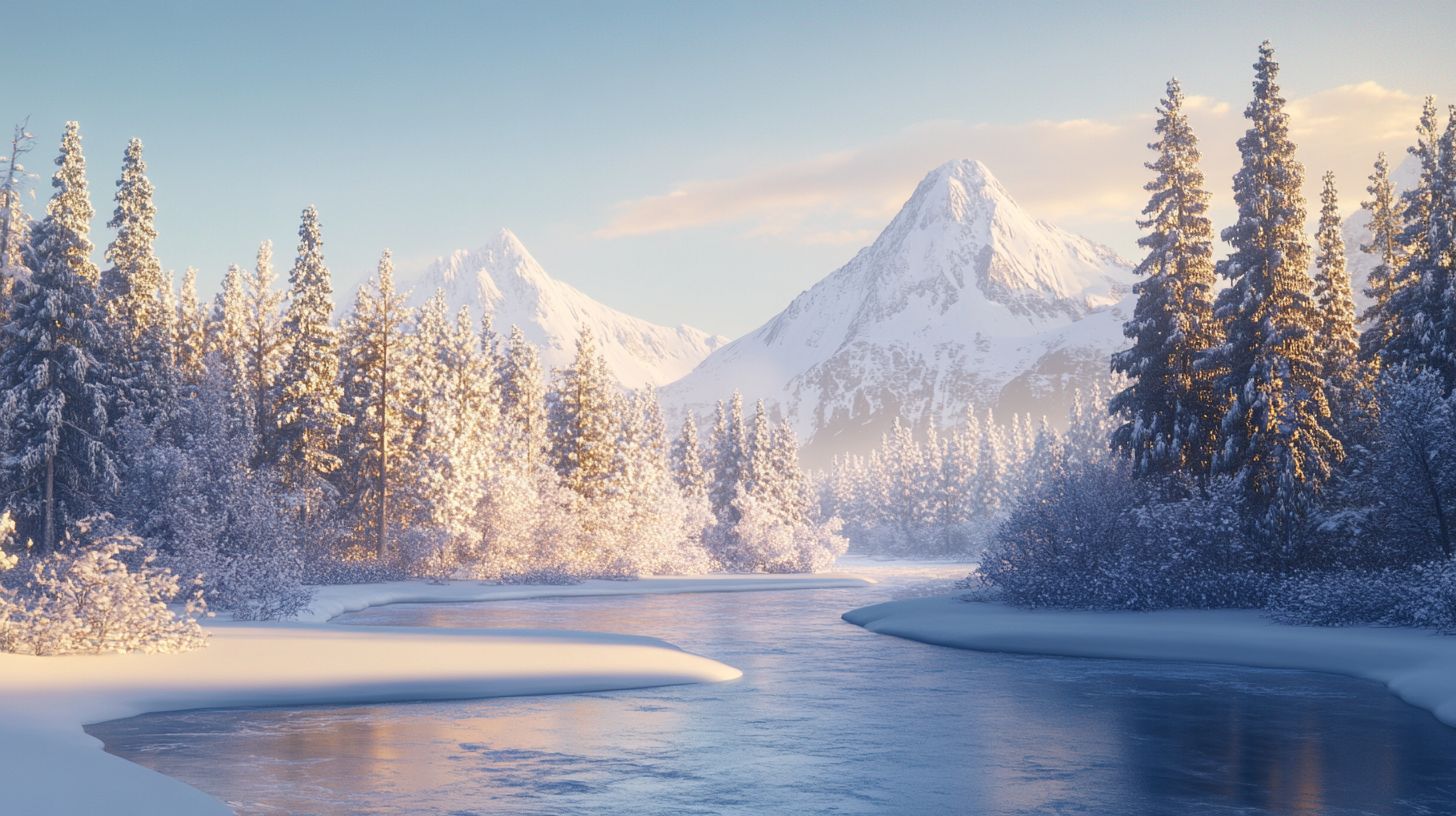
{"type": "Point", "coordinates": [502, 279]}
{"type": "Point", "coordinates": [963, 299]}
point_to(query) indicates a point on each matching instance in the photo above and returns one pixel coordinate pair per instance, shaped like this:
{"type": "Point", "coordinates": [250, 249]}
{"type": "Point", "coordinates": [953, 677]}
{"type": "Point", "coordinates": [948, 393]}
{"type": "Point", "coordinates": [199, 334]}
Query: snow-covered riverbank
{"type": "Point", "coordinates": [1419, 666]}
{"type": "Point", "coordinates": [48, 765]}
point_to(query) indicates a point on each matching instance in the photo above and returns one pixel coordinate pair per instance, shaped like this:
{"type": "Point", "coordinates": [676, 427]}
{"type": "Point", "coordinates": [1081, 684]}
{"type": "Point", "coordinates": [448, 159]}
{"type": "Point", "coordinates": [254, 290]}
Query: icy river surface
{"type": "Point", "coordinates": [827, 718]}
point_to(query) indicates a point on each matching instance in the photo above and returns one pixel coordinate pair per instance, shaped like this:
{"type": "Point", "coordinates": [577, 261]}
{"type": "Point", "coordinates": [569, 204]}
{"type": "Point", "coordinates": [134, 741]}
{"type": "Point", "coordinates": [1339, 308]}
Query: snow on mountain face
{"type": "Point", "coordinates": [1356, 232]}
{"type": "Point", "coordinates": [502, 278]}
{"type": "Point", "coordinates": [963, 299]}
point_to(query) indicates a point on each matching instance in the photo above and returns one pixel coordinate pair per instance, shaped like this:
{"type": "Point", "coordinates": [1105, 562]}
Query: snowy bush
{"type": "Point", "coordinates": [763, 541]}
{"type": "Point", "coordinates": [1093, 538]}
{"type": "Point", "coordinates": [1421, 595]}
{"type": "Point", "coordinates": [87, 599]}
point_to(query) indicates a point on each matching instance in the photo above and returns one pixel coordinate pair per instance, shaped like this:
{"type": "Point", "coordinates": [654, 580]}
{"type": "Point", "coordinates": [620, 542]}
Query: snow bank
{"type": "Point", "coordinates": [332, 601]}
{"type": "Point", "coordinates": [49, 765]}
{"type": "Point", "coordinates": [1418, 665]}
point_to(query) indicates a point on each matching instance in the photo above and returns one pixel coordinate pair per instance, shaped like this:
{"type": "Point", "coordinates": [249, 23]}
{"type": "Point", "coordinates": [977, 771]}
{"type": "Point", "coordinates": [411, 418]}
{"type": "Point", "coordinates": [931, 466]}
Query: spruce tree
{"type": "Point", "coordinates": [307, 392]}
{"type": "Point", "coordinates": [139, 352]}
{"type": "Point", "coordinates": [584, 422]}
{"type": "Point", "coordinates": [191, 334]}
{"type": "Point", "coordinates": [1387, 221]}
{"type": "Point", "coordinates": [1414, 334]}
{"type": "Point", "coordinates": [1336, 340]}
{"type": "Point", "coordinates": [265, 346]}
{"type": "Point", "coordinates": [229, 338]}
{"type": "Point", "coordinates": [57, 462]}
{"type": "Point", "coordinates": [729, 450]}
{"type": "Point", "coordinates": [373, 375]}
{"type": "Point", "coordinates": [523, 399]}
{"type": "Point", "coordinates": [1170, 415]}
{"type": "Point", "coordinates": [1278, 445]}
{"type": "Point", "coordinates": [687, 460]}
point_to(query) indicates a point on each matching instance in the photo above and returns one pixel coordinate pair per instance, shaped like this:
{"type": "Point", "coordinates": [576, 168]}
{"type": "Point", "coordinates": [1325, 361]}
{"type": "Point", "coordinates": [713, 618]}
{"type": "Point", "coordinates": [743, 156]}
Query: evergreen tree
{"type": "Point", "coordinates": [265, 346]}
{"type": "Point", "coordinates": [307, 392]}
{"type": "Point", "coordinates": [229, 338]}
{"type": "Point", "coordinates": [373, 374]}
{"type": "Point", "coordinates": [523, 399]}
{"type": "Point", "coordinates": [1170, 415]}
{"type": "Point", "coordinates": [584, 422]}
{"type": "Point", "coordinates": [139, 353]}
{"type": "Point", "coordinates": [191, 333]}
{"type": "Point", "coordinates": [1387, 220]}
{"type": "Point", "coordinates": [688, 461]}
{"type": "Point", "coordinates": [57, 463]}
{"type": "Point", "coordinates": [1278, 444]}
{"type": "Point", "coordinates": [1415, 322]}
{"type": "Point", "coordinates": [1336, 340]}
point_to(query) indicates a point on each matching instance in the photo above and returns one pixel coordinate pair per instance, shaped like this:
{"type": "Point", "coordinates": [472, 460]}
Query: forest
{"type": "Point", "coordinates": [237, 452]}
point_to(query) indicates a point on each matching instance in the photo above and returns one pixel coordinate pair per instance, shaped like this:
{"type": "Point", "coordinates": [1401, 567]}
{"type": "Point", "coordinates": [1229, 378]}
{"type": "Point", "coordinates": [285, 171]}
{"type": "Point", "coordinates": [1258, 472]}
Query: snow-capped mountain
{"type": "Point", "coordinates": [503, 279]}
{"type": "Point", "coordinates": [963, 299]}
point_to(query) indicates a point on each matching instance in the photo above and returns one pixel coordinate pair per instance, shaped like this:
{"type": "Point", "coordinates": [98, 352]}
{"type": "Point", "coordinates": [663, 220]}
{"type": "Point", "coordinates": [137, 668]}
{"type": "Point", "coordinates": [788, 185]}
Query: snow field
{"type": "Point", "coordinates": [49, 765]}
{"type": "Point", "coordinates": [1419, 666]}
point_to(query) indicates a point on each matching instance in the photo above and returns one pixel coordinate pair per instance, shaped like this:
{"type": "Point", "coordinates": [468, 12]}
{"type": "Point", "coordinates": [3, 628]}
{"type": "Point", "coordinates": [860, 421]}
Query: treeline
{"type": "Point", "coordinates": [1271, 453]}
{"type": "Point", "coordinates": [257, 443]}
{"type": "Point", "coordinates": [945, 495]}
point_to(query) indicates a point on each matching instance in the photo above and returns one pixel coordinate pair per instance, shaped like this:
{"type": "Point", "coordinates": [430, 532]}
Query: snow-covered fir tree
{"type": "Point", "coordinates": [307, 391]}
{"type": "Point", "coordinates": [687, 458]}
{"type": "Point", "coordinates": [1278, 445]}
{"type": "Point", "coordinates": [228, 338]}
{"type": "Point", "coordinates": [728, 451]}
{"type": "Point", "coordinates": [584, 421]}
{"type": "Point", "coordinates": [58, 467]}
{"type": "Point", "coordinates": [1336, 339]}
{"type": "Point", "coordinates": [1413, 332]}
{"type": "Point", "coordinates": [191, 333]}
{"type": "Point", "coordinates": [374, 355]}
{"type": "Point", "coordinates": [1168, 408]}
{"type": "Point", "coordinates": [264, 347]}
{"type": "Point", "coordinates": [1387, 221]}
{"type": "Point", "coordinates": [523, 399]}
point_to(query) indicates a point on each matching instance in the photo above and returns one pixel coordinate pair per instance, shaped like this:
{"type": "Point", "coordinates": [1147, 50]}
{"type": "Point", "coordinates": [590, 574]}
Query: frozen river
{"type": "Point", "coordinates": [828, 718]}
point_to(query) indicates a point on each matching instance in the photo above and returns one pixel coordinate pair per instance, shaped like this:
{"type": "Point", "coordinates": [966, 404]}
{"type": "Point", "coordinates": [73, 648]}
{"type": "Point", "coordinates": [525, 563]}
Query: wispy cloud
{"type": "Point", "coordinates": [1080, 172]}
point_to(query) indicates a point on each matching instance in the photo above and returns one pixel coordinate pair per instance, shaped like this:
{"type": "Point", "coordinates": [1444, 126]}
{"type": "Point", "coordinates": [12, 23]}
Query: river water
{"type": "Point", "coordinates": [828, 718]}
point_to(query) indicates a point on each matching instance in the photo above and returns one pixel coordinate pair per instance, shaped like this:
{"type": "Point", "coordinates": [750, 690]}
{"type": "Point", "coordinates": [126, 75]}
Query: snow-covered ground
{"type": "Point", "coordinates": [48, 765]}
{"type": "Point", "coordinates": [1418, 665]}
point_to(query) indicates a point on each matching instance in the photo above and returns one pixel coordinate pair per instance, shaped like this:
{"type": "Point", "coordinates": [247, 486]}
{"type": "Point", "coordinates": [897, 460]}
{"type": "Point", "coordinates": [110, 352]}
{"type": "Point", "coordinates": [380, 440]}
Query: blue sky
{"type": "Point", "coordinates": [693, 163]}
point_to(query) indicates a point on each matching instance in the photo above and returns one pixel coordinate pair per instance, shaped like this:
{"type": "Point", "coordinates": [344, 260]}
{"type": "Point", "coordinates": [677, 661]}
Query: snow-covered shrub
{"type": "Point", "coordinates": [763, 541]}
{"type": "Point", "coordinates": [87, 599]}
{"type": "Point", "coordinates": [1422, 595]}
{"type": "Point", "coordinates": [1095, 538]}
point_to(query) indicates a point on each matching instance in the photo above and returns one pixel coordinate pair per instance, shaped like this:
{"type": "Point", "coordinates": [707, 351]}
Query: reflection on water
{"type": "Point", "coordinates": [827, 718]}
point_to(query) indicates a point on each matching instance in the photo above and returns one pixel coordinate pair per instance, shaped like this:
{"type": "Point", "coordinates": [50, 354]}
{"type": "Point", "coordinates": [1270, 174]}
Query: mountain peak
{"type": "Point", "coordinates": [961, 295]}
{"type": "Point", "coordinates": [502, 279]}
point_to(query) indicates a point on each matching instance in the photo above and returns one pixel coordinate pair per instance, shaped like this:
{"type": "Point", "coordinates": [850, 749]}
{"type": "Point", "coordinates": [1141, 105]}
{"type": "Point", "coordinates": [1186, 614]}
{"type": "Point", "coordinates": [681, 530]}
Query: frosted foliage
{"type": "Point", "coordinates": [89, 600]}
{"type": "Point", "coordinates": [764, 542]}
{"type": "Point", "coordinates": [14, 222]}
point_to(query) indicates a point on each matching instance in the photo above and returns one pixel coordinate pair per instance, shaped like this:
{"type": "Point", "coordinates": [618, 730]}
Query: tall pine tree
{"type": "Point", "coordinates": [1170, 411]}
{"type": "Point", "coordinates": [1387, 220]}
{"type": "Point", "coordinates": [308, 390]}
{"type": "Point", "coordinates": [375, 355]}
{"type": "Point", "coordinates": [58, 466]}
{"type": "Point", "coordinates": [1337, 341]}
{"type": "Point", "coordinates": [1278, 445]}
